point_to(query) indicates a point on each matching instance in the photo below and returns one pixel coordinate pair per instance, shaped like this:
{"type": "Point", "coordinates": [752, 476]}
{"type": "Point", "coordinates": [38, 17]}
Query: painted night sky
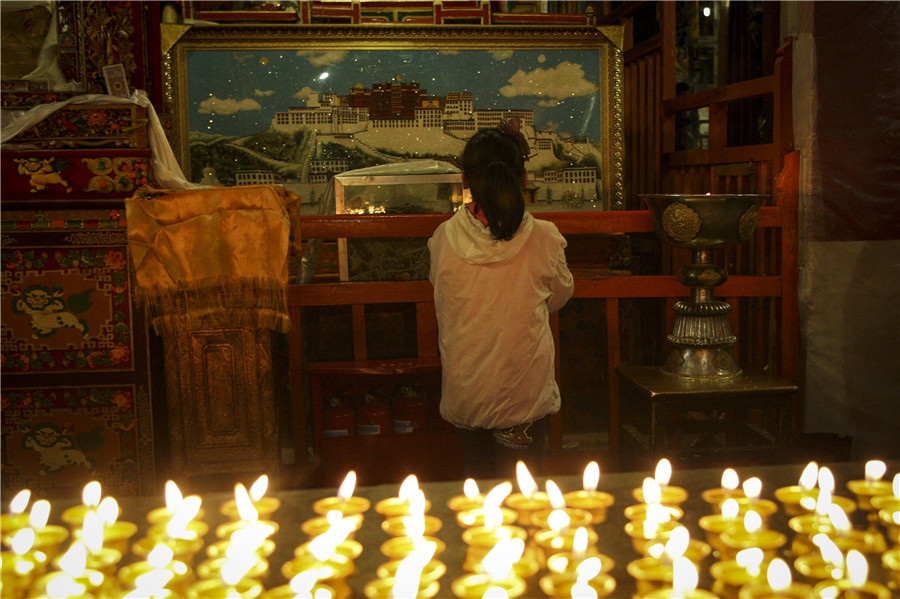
{"type": "Point", "coordinates": [237, 92]}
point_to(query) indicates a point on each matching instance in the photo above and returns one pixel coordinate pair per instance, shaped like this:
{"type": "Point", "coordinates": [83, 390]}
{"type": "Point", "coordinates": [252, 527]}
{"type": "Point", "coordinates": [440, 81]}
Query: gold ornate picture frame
{"type": "Point", "coordinates": [296, 104]}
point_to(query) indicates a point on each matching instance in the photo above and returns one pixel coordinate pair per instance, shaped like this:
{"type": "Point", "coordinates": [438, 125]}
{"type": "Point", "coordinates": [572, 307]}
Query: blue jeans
{"type": "Point", "coordinates": [493, 454]}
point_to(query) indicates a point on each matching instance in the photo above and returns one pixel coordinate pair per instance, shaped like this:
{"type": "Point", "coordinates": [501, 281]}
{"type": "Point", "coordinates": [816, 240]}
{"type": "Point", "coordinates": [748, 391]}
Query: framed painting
{"type": "Point", "coordinates": [296, 105]}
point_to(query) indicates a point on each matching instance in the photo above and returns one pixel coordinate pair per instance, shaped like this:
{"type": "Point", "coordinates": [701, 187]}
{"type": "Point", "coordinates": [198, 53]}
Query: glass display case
{"type": "Point", "coordinates": [413, 187]}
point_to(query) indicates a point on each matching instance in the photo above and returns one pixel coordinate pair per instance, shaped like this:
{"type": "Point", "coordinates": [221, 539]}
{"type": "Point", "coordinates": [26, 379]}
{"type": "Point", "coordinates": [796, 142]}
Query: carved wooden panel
{"type": "Point", "coordinates": [221, 402]}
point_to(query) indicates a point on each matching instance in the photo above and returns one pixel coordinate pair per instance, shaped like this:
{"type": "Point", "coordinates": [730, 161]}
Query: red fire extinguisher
{"type": "Point", "coordinates": [410, 411]}
{"type": "Point", "coordinates": [339, 419]}
{"type": "Point", "coordinates": [373, 417]}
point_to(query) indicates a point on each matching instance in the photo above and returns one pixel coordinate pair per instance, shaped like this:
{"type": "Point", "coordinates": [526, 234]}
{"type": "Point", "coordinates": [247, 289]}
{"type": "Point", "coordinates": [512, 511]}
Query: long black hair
{"type": "Point", "coordinates": [493, 164]}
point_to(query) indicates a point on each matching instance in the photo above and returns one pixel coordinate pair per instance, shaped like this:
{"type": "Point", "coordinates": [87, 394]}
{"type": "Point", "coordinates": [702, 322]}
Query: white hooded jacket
{"type": "Point", "coordinates": [493, 300]}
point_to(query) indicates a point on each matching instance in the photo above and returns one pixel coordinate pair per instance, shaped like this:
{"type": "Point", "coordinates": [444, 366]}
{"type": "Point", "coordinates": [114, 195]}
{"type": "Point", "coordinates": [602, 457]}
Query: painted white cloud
{"type": "Point", "coordinates": [323, 58]}
{"type": "Point", "coordinates": [214, 105]}
{"type": "Point", "coordinates": [501, 54]}
{"type": "Point", "coordinates": [566, 80]}
{"type": "Point", "coordinates": [304, 93]}
{"type": "Point", "coordinates": [259, 93]}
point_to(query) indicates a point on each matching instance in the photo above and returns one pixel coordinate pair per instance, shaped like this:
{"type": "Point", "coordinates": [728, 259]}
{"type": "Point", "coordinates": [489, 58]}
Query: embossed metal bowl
{"type": "Point", "coordinates": [701, 221]}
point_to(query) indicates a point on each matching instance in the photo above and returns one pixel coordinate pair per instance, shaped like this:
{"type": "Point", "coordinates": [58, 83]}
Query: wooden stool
{"type": "Point", "coordinates": [748, 418]}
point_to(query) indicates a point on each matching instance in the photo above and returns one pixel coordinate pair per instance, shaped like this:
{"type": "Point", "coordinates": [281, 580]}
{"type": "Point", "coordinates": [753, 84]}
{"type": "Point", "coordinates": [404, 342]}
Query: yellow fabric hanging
{"type": "Point", "coordinates": [213, 257]}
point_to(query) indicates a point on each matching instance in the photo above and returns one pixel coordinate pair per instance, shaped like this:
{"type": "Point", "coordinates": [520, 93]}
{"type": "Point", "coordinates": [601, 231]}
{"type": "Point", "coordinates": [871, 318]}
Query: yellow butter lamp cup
{"type": "Point", "coordinates": [344, 502]}
{"type": "Point", "coordinates": [264, 506]}
{"type": "Point", "coordinates": [855, 585]}
{"type": "Point", "coordinates": [17, 518]}
{"type": "Point", "coordinates": [91, 495]}
{"type": "Point", "coordinates": [684, 583]}
{"type": "Point", "coordinates": [656, 571]}
{"type": "Point", "coordinates": [871, 486]}
{"type": "Point", "coordinates": [890, 559]}
{"type": "Point", "coordinates": [728, 489]}
{"type": "Point", "coordinates": [668, 494]}
{"type": "Point", "coordinates": [400, 505]}
{"type": "Point", "coordinates": [730, 576]}
{"type": "Point", "coordinates": [588, 498]}
{"type": "Point", "coordinates": [471, 499]}
{"type": "Point", "coordinates": [407, 578]}
{"type": "Point", "coordinates": [585, 580]}
{"type": "Point", "coordinates": [778, 584]}
{"type": "Point", "coordinates": [567, 560]}
{"type": "Point", "coordinates": [752, 534]}
{"type": "Point", "coordinates": [529, 499]}
{"type": "Point", "coordinates": [805, 489]}
{"type": "Point", "coordinates": [497, 571]}
{"type": "Point", "coordinates": [713, 525]}
{"type": "Point", "coordinates": [306, 584]}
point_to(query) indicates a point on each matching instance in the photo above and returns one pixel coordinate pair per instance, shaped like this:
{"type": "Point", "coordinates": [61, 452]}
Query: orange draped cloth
{"type": "Point", "coordinates": [213, 257]}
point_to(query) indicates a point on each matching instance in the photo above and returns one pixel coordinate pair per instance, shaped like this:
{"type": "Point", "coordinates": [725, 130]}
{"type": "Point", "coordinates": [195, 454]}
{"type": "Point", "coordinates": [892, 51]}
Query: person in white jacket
{"type": "Point", "coordinates": [498, 273]}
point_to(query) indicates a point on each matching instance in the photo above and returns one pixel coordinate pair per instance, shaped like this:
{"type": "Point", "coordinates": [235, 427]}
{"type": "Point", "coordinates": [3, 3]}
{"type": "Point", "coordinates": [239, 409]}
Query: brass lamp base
{"type": "Point", "coordinates": [702, 343]}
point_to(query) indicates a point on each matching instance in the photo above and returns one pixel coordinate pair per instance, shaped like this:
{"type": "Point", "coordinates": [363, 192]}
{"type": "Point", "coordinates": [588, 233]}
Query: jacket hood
{"type": "Point", "coordinates": [473, 242]}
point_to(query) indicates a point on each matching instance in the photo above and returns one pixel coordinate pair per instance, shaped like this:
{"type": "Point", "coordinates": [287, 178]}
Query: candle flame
{"type": "Point", "coordinates": [582, 590]}
{"type": "Point", "coordinates": [752, 488]}
{"type": "Point", "coordinates": [808, 477]}
{"type": "Point", "coordinates": [497, 495]}
{"type": "Point", "coordinates": [414, 525]}
{"type": "Point", "coordinates": [409, 486]}
{"type": "Point", "coordinates": [875, 469]}
{"type": "Point", "coordinates": [663, 472]}
{"type": "Point", "coordinates": [558, 521]}
{"type": "Point", "coordinates": [245, 506]}
{"type": "Point", "coordinates": [730, 479]}
{"type": "Point", "coordinates": [656, 512]}
{"type": "Point", "coordinates": [750, 559]}
{"type": "Point", "coordinates": [92, 531]}
{"type": "Point", "coordinates": [684, 576]}
{"type": "Point", "coordinates": [752, 522]}
{"type": "Point", "coordinates": [248, 540]}
{"type": "Point", "coordinates": [857, 568]}
{"type": "Point", "coordinates": [23, 541]}
{"type": "Point", "coordinates": [160, 556]}
{"type": "Point", "coordinates": [151, 583]}
{"type": "Point", "coordinates": [650, 528]}
{"type": "Point", "coordinates": [259, 487]}
{"type": "Point", "coordinates": [303, 582]}
{"type": "Point", "coordinates": [64, 586]}
{"type": "Point", "coordinates": [778, 575]}
{"type": "Point", "coordinates": [830, 552]}
{"type": "Point", "coordinates": [334, 516]}
{"type": "Point", "coordinates": [495, 593]}
{"type": "Point", "coordinates": [20, 502]}
{"type": "Point", "coordinates": [90, 495]}
{"type": "Point", "coordinates": [527, 486]}
{"type": "Point", "coordinates": [74, 560]}
{"type": "Point", "coordinates": [823, 502]}
{"type": "Point", "coordinates": [108, 510]}
{"type": "Point", "coordinates": [580, 541]}
{"type": "Point", "coordinates": [40, 513]}
{"type": "Point", "coordinates": [498, 562]}
{"type": "Point", "coordinates": [493, 516]}
{"type": "Point", "coordinates": [173, 495]}
{"type": "Point", "coordinates": [651, 491]}
{"type": "Point", "coordinates": [826, 479]}
{"type": "Point", "coordinates": [730, 508]}
{"type": "Point", "coordinates": [470, 488]}
{"type": "Point", "coordinates": [409, 571]}
{"type": "Point", "coordinates": [839, 520]}
{"type": "Point", "coordinates": [591, 477]}
{"type": "Point", "coordinates": [678, 543]}
{"type": "Point", "coordinates": [345, 491]}
{"type": "Point", "coordinates": [176, 528]}
{"type": "Point", "coordinates": [417, 502]}
{"type": "Point", "coordinates": [589, 568]}
{"type": "Point", "coordinates": [557, 500]}
{"type": "Point", "coordinates": [234, 569]}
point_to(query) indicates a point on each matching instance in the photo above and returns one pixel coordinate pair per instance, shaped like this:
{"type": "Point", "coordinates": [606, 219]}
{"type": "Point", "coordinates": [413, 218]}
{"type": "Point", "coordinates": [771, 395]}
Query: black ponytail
{"type": "Point", "coordinates": [494, 167]}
